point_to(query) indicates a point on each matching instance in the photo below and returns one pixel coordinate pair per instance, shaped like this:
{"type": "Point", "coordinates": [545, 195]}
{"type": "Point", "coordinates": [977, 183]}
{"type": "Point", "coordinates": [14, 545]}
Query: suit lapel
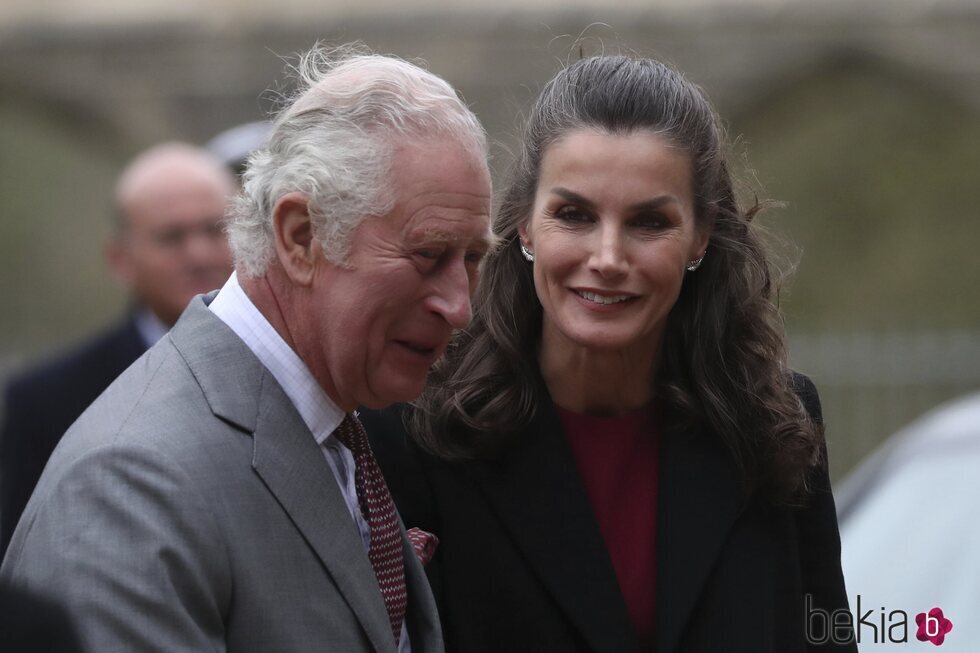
{"type": "Point", "coordinates": [286, 457]}
{"type": "Point", "coordinates": [292, 466]}
{"type": "Point", "coordinates": [699, 499]}
{"type": "Point", "coordinates": [538, 495]}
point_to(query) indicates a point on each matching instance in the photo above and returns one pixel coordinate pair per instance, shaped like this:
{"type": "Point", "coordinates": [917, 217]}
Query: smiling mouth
{"type": "Point", "coordinates": [596, 298]}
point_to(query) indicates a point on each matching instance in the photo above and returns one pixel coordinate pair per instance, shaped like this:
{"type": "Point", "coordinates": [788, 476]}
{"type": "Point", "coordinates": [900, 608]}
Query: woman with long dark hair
{"type": "Point", "coordinates": [614, 454]}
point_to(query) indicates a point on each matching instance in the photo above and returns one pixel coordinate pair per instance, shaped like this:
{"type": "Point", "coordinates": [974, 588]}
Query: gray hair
{"type": "Point", "coordinates": [334, 143]}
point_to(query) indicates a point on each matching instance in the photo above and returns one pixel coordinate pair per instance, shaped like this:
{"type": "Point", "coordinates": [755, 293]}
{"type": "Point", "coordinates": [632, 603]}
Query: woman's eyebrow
{"type": "Point", "coordinates": [645, 205]}
{"type": "Point", "coordinates": [573, 197]}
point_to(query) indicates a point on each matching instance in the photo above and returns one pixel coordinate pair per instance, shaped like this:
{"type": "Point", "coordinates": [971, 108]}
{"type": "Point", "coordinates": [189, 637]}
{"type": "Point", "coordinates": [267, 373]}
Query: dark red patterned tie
{"type": "Point", "coordinates": [378, 509]}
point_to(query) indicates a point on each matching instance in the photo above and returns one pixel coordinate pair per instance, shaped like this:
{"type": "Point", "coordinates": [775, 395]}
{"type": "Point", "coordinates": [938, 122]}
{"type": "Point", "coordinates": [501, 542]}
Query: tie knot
{"type": "Point", "coordinates": [352, 434]}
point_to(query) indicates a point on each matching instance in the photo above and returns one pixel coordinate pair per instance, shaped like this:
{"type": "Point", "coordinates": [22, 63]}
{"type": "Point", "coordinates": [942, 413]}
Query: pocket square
{"type": "Point", "coordinates": [424, 544]}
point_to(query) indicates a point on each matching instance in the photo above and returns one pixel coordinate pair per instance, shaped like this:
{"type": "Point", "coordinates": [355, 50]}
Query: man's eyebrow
{"type": "Point", "coordinates": [646, 205]}
{"type": "Point", "coordinates": [484, 241]}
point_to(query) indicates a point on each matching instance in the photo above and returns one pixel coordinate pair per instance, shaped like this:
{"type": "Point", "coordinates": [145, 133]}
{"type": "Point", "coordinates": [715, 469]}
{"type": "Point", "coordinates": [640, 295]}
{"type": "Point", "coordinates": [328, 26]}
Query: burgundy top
{"type": "Point", "coordinates": [617, 458]}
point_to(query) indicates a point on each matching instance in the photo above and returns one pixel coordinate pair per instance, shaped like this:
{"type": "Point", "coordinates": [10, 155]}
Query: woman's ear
{"type": "Point", "coordinates": [702, 237]}
{"type": "Point", "coordinates": [702, 244]}
{"type": "Point", "coordinates": [522, 233]}
{"type": "Point", "coordinates": [296, 248]}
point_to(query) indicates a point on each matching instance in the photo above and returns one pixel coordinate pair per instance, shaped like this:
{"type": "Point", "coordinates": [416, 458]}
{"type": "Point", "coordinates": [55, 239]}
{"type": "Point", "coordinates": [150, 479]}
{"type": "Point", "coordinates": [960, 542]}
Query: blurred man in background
{"type": "Point", "coordinates": [168, 246]}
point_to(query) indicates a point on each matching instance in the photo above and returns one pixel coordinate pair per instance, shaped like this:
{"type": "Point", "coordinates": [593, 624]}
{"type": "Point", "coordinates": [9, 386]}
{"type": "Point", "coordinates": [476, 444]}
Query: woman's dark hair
{"type": "Point", "coordinates": [723, 363]}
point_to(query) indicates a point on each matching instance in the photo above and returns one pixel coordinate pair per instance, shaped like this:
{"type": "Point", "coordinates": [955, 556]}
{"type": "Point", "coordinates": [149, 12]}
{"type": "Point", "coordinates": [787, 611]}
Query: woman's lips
{"type": "Point", "coordinates": [603, 298]}
{"type": "Point", "coordinates": [603, 301]}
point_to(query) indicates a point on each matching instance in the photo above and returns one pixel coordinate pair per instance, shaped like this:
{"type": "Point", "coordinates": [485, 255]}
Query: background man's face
{"type": "Point", "coordinates": [172, 246]}
{"type": "Point", "coordinates": [383, 321]}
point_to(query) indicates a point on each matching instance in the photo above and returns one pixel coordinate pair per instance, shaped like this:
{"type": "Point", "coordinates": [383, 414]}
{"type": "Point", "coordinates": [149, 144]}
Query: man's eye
{"type": "Point", "coordinates": [474, 258]}
{"type": "Point", "coordinates": [430, 254]}
{"type": "Point", "coordinates": [169, 237]}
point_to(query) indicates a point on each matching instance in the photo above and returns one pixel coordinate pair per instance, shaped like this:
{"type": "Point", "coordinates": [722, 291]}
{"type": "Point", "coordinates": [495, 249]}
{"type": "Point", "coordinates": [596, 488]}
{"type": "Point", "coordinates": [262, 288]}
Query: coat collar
{"type": "Point", "coordinates": [537, 493]}
{"type": "Point", "coordinates": [285, 456]}
{"type": "Point", "coordinates": [698, 501]}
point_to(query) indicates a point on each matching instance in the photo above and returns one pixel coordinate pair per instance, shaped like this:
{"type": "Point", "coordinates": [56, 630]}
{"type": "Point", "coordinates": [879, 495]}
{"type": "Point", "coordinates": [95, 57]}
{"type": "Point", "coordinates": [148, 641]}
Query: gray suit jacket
{"type": "Point", "coordinates": [190, 509]}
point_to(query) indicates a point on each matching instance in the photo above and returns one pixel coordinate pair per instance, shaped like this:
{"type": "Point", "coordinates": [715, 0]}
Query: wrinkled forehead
{"type": "Point", "coordinates": [441, 193]}
{"type": "Point", "coordinates": [471, 231]}
{"type": "Point", "coordinates": [440, 169]}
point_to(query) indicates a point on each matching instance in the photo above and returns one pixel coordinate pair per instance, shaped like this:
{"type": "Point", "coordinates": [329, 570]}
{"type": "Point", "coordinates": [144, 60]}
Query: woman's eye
{"type": "Point", "coordinates": [571, 214]}
{"type": "Point", "coordinates": [651, 222]}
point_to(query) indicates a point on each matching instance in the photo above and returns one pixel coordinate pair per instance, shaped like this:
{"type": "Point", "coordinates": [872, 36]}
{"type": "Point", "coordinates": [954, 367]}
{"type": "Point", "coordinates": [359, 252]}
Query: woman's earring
{"type": "Point", "coordinates": [695, 264]}
{"type": "Point", "coordinates": [528, 254]}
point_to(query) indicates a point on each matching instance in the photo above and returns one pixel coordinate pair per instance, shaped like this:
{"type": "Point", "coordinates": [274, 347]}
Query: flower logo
{"type": "Point", "coordinates": [932, 626]}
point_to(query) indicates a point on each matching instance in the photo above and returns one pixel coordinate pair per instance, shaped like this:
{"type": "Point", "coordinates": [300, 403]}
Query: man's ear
{"type": "Point", "coordinates": [117, 258]}
{"type": "Point", "coordinates": [293, 231]}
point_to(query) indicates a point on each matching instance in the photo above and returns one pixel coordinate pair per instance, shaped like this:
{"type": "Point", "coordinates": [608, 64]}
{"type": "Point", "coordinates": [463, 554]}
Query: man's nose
{"type": "Point", "coordinates": [450, 296]}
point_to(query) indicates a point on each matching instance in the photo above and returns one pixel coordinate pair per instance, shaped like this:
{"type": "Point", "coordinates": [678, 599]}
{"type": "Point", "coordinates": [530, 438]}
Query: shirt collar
{"type": "Point", "coordinates": [320, 414]}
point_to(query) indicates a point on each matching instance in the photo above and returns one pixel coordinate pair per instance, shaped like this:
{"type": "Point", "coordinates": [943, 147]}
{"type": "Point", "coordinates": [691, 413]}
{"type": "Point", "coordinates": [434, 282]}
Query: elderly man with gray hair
{"type": "Point", "coordinates": [221, 494]}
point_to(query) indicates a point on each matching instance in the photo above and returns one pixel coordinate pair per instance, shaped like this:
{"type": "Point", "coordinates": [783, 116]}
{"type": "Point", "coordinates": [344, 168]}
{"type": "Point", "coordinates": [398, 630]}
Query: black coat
{"type": "Point", "coordinates": [43, 402]}
{"type": "Point", "coordinates": [522, 565]}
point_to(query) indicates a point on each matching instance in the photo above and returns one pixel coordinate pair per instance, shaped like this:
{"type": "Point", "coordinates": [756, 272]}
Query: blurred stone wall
{"type": "Point", "coordinates": [864, 117]}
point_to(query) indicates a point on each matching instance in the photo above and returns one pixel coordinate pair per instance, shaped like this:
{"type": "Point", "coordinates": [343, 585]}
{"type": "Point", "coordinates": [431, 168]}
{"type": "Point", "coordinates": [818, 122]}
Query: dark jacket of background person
{"type": "Point", "coordinates": [168, 246]}
{"type": "Point", "coordinates": [29, 624]}
{"type": "Point", "coordinates": [522, 565]}
{"type": "Point", "coordinates": [43, 402]}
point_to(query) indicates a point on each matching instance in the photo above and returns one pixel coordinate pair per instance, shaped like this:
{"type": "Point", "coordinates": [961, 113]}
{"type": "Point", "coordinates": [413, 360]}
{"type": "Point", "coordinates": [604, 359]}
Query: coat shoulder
{"type": "Point", "coordinates": [804, 388]}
